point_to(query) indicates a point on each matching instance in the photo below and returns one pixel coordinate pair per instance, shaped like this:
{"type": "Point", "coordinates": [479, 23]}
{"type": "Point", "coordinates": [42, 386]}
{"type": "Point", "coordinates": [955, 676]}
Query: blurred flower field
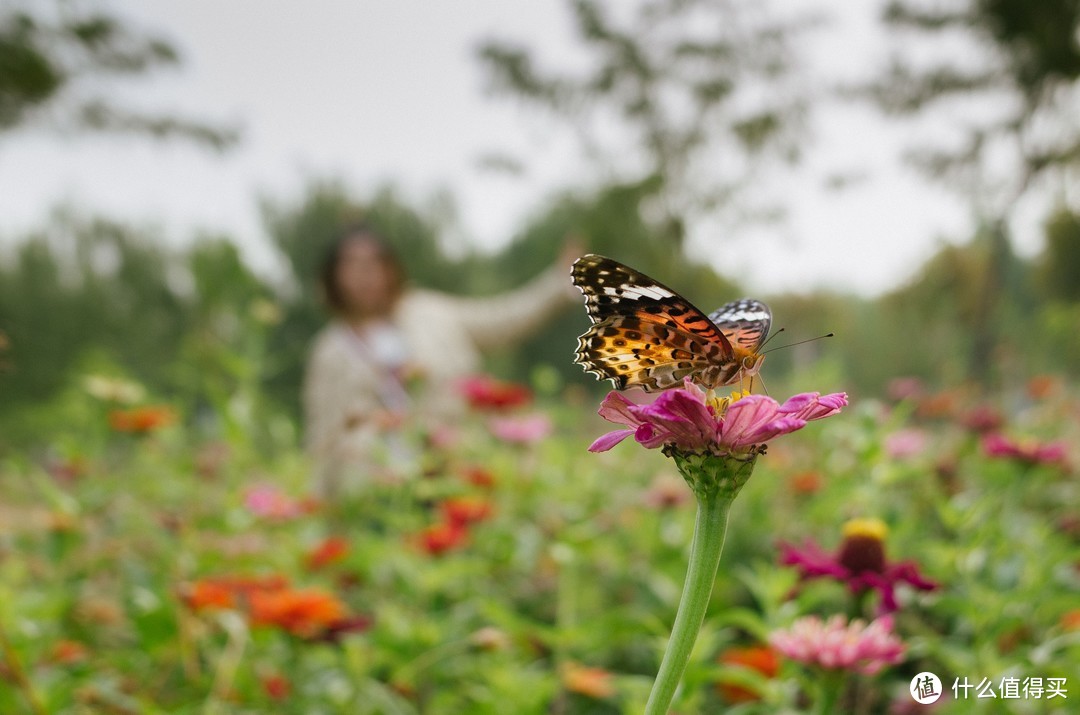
{"type": "Point", "coordinates": [147, 569]}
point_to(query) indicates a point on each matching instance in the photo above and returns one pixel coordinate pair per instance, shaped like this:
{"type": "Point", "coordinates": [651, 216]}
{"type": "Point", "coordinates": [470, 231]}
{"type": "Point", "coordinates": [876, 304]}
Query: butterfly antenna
{"type": "Point", "coordinates": [770, 338]}
{"type": "Point", "coordinates": [801, 342]}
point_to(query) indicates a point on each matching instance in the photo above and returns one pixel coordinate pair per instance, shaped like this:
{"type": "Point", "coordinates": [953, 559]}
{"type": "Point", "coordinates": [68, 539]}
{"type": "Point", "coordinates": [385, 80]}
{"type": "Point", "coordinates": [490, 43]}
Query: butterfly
{"type": "Point", "coordinates": [646, 335]}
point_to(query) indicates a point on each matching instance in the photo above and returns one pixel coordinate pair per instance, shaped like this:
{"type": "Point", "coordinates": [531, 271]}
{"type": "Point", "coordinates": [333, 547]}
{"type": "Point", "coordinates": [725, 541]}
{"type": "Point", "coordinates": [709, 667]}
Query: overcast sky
{"type": "Point", "coordinates": [390, 90]}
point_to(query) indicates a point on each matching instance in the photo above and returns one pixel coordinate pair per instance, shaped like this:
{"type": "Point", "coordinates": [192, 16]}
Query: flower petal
{"type": "Point", "coordinates": [609, 440]}
{"type": "Point", "coordinates": [745, 417]}
{"type": "Point", "coordinates": [616, 408]}
{"type": "Point", "coordinates": [812, 406]}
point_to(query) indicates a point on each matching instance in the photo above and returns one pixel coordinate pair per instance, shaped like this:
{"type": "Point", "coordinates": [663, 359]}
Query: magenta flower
{"type": "Point", "coordinates": [1029, 451]}
{"type": "Point", "coordinates": [859, 562]}
{"type": "Point", "coordinates": [836, 645]}
{"type": "Point", "coordinates": [686, 420]}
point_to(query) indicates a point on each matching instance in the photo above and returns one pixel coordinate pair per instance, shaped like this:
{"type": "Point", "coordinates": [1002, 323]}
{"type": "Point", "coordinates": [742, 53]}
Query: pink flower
{"type": "Point", "coordinates": [836, 645]}
{"type": "Point", "coordinates": [860, 562]}
{"type": "Point", "coordinates": [905, 388]}
{"type": "Point", "coordinates": [906, 443]}
{"type": "Point", "coordinates": [983, 419]}
{"type": "Point", "coordinates": [1031, 451]}
{"type": "Point", "coordinates": [270, 502]}
{"type": "Point", "coordinates": [526, 429]}
{"type": "Point", "coordinates": [685, 419]}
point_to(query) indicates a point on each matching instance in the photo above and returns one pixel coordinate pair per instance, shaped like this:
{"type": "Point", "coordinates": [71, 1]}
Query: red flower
{"type": "Point", "coordinates": [762, 659]}
{"type": "Point", "coordinates": [140, 420]}
{"type": "Point", "coordinates": [277, 686]}
{"type": "Point", "coordinates": [68, 652]}
{"type": "Point", "coordinates": [439, 538]}
{"type": "Point", "coordinates": [462, 511]}
{"type": "Point", "coordinates": [860, 563]}
{"type": "Point", "coordinates": [330, 551]}
{"type": "Point", "coordinates": [486, 393]}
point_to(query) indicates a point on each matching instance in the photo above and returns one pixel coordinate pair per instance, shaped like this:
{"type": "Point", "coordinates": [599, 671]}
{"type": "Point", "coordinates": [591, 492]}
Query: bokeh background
{"type": "Point", "coordinates": [901, 174]}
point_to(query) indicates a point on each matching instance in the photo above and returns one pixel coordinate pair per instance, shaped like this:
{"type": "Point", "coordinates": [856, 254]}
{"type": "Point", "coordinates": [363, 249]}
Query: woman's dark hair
{"type": "Point", "coordinates": [328, 270]}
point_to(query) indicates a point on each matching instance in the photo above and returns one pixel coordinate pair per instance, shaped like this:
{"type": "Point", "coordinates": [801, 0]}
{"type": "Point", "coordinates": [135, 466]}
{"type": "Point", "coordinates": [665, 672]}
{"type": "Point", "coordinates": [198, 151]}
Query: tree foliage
{"type": "Point", "coordinates": [56, 60]}
{"type": "Point", "coordinates": [701, 90]}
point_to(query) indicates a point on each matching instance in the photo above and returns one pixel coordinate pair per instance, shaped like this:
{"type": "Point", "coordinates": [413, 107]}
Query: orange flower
{"type": "Point", "coordinates": [229, 591]}
{"type": "Point", "coordinates": [68, 652]}
{"type": "Point", "coordinates": [329, 551]}
{"type": "Point", "coordinates": [140, 420]}
{"type": "Point", "coordinates": [207, 594]}
{"type": "Point", "coordinates": [591, 682]}
{"type": "Point", "coordinates": [462, 511]}
{"type": "Point", "coordinates": [478, 476]}
{"type": "Point", "coordinates": [303, 613]}
{"type": "Point", "coordinates": [805, 482]}
{"type": "Point", "coordinates": [759, 658]}
{"type": "Point", "coordinates": [1042, 386]}
{"type": "Point", "coordinates": [1071, 620]}
{"type": "Point", "coordinates": [440, 538]}
{"type": "Point", "coordinates": [277, 686]}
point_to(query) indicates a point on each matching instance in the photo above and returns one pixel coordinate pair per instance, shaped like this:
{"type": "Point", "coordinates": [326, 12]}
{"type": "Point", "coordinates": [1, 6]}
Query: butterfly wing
{"type": "Point", "coordinates": [643, 333]}
{"type": "Point", "coordinates": [745, 323]}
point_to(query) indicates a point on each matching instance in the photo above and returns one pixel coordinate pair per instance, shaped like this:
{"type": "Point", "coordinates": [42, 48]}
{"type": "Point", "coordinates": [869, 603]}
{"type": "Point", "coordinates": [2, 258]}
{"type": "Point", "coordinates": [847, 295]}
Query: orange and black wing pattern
{"type": "Point", "coordinates": [644, 334]}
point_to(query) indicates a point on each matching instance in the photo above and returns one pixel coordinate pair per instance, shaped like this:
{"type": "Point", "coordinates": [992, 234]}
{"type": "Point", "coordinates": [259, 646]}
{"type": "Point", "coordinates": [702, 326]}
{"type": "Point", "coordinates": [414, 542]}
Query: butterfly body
{"type": "Point", "coordinates": [644, 334]}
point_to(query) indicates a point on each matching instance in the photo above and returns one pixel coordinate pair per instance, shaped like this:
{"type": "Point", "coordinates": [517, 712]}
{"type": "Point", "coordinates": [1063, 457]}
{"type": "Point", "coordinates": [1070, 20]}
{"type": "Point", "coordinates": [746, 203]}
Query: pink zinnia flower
{"type": "Point", "coordinates": [685, 419]}
{"type": "Point", "coordinates": [1030, 451]}
{"type": "Point", "coordinates": [859, 562]}
{"type": "Point", "coordinates": [270, 502]}
{"type": "Point", "coordinates": [836, 645]}
{"type": "Point", "coordinates": [906, 443]}
{"type": "Point", "coordinates": [526, 429]}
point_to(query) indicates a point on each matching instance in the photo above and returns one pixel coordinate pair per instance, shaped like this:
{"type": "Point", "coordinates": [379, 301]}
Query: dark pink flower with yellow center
{"type": "Point", "coordinates": [687, 420]}
{"type": "Point", "coordinates": [1027, 451]}
{"type": "Point", "coordinates": [860, 563]}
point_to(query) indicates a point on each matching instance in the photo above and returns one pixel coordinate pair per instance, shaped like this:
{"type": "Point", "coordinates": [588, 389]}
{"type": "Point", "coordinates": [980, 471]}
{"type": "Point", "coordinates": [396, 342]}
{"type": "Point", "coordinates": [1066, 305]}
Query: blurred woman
{"type": "Point", "coordinates": [386, 335]}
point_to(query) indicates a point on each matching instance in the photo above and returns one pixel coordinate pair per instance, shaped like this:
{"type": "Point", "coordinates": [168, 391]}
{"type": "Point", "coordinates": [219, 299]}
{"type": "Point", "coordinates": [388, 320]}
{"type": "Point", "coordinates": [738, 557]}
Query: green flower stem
{"type": "Point", "coordinates": [716, 482]}
{"type": "Point", "coordinates": [831, 686]}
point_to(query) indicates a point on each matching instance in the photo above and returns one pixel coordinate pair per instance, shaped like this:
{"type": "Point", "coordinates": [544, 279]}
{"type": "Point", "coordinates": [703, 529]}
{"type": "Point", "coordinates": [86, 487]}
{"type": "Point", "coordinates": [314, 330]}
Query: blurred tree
{"type": "Point", "coordinates": [93, 294]}
{"type": "Point", "coordinates": [1010, 69]}
{"type": "Point", "coordinates": [686, 98]}
{"type": "Point", "coordinates": [57, 57]}
{"type": "Point", "coordinates": [1059, 265]}
{"type": "Point", "coordinates": [86, 286]}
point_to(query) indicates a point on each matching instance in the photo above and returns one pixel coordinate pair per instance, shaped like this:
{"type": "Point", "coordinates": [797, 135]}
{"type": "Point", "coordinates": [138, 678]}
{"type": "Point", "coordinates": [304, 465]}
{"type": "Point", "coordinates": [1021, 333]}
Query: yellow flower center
{"type": "Point", "coordinates": [872, 528]}
{"type": "Point", "coordinates": [720, 404]}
